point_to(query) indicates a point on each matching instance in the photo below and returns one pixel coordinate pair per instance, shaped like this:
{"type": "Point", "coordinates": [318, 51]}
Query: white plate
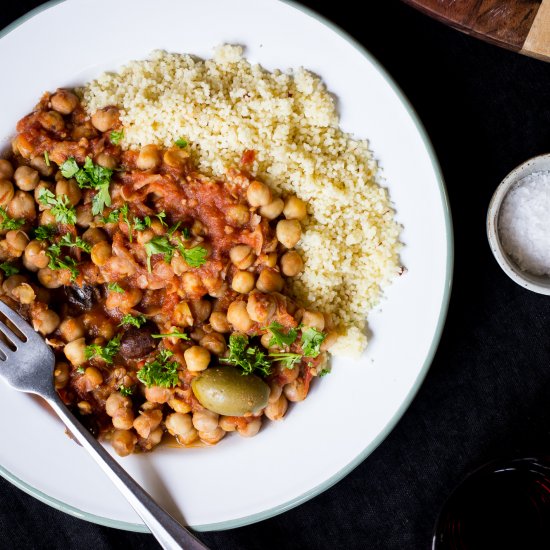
{"type": "Point", "coordinates": [352, 410]}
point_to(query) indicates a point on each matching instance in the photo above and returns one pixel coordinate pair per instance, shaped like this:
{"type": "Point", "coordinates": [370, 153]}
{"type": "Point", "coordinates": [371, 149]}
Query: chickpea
{"type": "Point", "coordinates": [273, 209]}
{"type": "Point", "coordinates": [94, 235]}
{"type": "Point", "coordinates": [17, 241]}
{"type": "Point", "coordinates": [276, 410]}
{"type": "Point", "coordinates": [21, 146]}
{"type": "Point", "coordinates": [182, 316]}
{"type": "Point", "coordinates": [292, 263]}
{"type": "Point", "coordinates": [218, 321]}
{"type": "Point", "coordinates": [205, 420]}
{"type": "Point", "coordinates": [71, 329]}
{"type": "Point", "coordinates": [276, 391]}
{"type": "Point", "coordinates": [237, 215]}
{"type": "Point", "coordinates": [123, 442]}
{"type": "Point", "coordinates": [84, 216]}
{"type": "Point", "coordinates": [105, 119]}
{"type": "Point", "coordinates": [120, 267]}
{"type": "Point", "coordinates": [94, 377]}
{"type": "Point", "coordinates": [35, 256]}
{"type": "Point", "coordinates": [84, 407]}
{"type": "Point", "coordinates": [74, 352]}
{"type": "Point", "coordinates": [289, 232]}
{"type": "Point", "coordinates": [64, 102]}
{"type": "Point", "coordinates": [61, 375]}
{"type": "Point", "coordinates": [39, 163]}
{"type": "Point", "coordinates": [124, 300]}
{"type": "Point", "coordinates": [26, 178]}
{"type": "Point", "coordinates": [6, 192]}
{"type": "Point", "coordinates": [51, 121]}
{"type": "Point", "coordinates": [179, 405]}
{"type": "Point", "coordinates": [313, 319]}
{"type": "Point", "coordinates": [214, 343]}
{"type": "Point", "coordinates": [51, 278]}
{"type": "Point", "coordinates": [258, 194]}
{"type": "Point", "coordinates": [251, 429]}
{"type": "Point", "coordinates": [106, 161]}
{"type": "Point", "coordinates": [266, 339]}
{"type": "Point", "coordinates": [42, 185]}
{"type": "Point", "coordinates": [175, 157]}
{"type": "Point", "coordinates": [145, 236]}
{"type": "Point", "coordinates": [45, 321]}
{"type": "Point", "coordinates": [70, 189]}
{"type": "Point", "coordinates": [242, 256]}
{"type": "Point", "coordinates": [119, 408]}
{"type": "Point", "coordinates": [261, 307]}
{"type": "Point", "coordinates": [211, 438]}
{"type": "Point", "coordinates": [181, 426]}
{"type": "Point", "coordinates": [6, 170]}
{"type": "Point", "coordinates": [148, 158]}
{"type": "Point", "coordinates": [24, 293]}
{"type": "Point", "coordinates": [269, 280]}
{"type": "Point", "coordinates": [12, 282]}
{"type": "Point", "coordinates": [198, 229]}
{"type": "Point", "coordinates": [192, 284]}
{"type": "Point", "coordinates": [158, 394]}
{"type": "Point", "coordinates": [237, 316]}
{"type": "Point", "coordinates": [295, 208]}
{"type": "Point", "coordinates": [329, 340]}
{"type": "Point", "coordinates": [147, 422]}
{"type": "Point", "coordinates": [197, 358]}
{"type": "Point", "coordinates": [101, 252]}
{"type": "Point", "coordinates": [295, 391]}
{"type": "Point", "coordinates": [47, 218]}
{"type": "Point", "coordinates": [22, 206]}
{"type": "Point", "coordinates": [270, 259]}
{"type": "Point", "coordinates": [200, 309]}
{"type": "Point", "coordinates": [243, 282]}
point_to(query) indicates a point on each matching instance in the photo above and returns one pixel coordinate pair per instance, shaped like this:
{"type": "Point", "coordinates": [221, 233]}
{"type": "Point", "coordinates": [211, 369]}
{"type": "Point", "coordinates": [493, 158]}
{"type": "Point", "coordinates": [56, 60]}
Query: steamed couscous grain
{"type": "Point", "coordinates": [224, 106]}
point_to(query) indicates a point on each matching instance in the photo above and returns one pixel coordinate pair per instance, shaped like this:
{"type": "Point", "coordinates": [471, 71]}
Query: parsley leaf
{"type": "Point", "coordinates": [54, 253]}
{"type": "Point", "coordinates": [161, 216]}
{"type": "Point", "coordinates": [116, 137]}
{"type": "Point", "coordinates": [112, 216]}
{"type": "Point", "coordinates": [115, 287]}
{"type": "Point", "coordinates": [9, 269]}
{"type": "Point", "coordinates": [60, 206]}
{"type": "Point", "coordinates": [249, 358]}
{"type": "Point", "coordinates": [288, 360]}
{"type": "Point", "coordinates": [44, 232]}
{"type": "Point", "coordinates": [107, 352]}
{"type": "Point", "coordinates": [194, 257]}
{"type": "Point", "coordinates": [311, 341]}
{"type": "Point", "coordinates": [9, 223]}
{"type": "Point", "coordinates": [142, 225]}
{"type": "Point", "coordinates": [280, 338]}
{"type": "Point", "coordinates": [47, 158]}
{"type": "Point", "coordinates": [69, 168]}
{"type": "Point", "coordinates": [136, 321]}
{"type": "Point", "coordinates": [160, 372]}
{"type": "Point", "coordinates": [125, 390]}
{"type": "Point", "coordinates": [324, 372]}
{"type": "Point", "coordinates": [181, 143]}
{"type": "Point", "coordinates": [186, 233]}
{"type": "Point", "coordinates": [159, 245]}
{"type": "Point", "coordinates": [174, 334]}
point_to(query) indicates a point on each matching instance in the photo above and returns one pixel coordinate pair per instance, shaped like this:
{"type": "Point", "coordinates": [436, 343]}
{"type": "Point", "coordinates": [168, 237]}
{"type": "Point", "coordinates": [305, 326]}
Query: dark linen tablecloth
{"type": "Point", "coordinates": [487, 393]}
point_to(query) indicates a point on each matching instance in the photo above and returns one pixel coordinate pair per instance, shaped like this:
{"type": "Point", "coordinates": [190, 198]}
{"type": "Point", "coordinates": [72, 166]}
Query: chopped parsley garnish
{"type": "Point", "coordinates": [193, 257]}
{"type": "Point", "coordinates": [249, 358]}
{"type": "Point", "coordinates": [60, 206]}
{"type": "Point", "coordinates": [174, 334]}
{"type": "Point", "coordinates": [9, 269]}
{"type": "Point", "coordinates": [288, 360]}
{"type": "Point", "coordinates": [54, 253]}
{"type": "Point", "coordinates": [112, 216]}
{"type": "Point", "coordinates": [160, 372]}
{"type": "Point", "coordinates": [161, 216]}
{"type": "Point", "coordinates": [159, 245]}
{"type": "Point", "coordinates": [125, 390]}
{"type": "Point", "coordinates": [142, 225]}
{"type": "Point", "coordinates": [115, 287]}
{"type": "Point", "coordinates": [106, 352]}
{"type": "Point", "coordinates": [81, 370]}
{"type": "Point", "coordinates": [9, 223]}
{"type": "Point", "coordinates": [44, 232]}
{"type": "Point", "coordinates": [116, 137]}
{"type": "Point", "coordinates": [47, 158]}
{"type": "Point", "coordinates": [186, 233]}
{"type": "Point", "coordinates": [134, 320]}
{"type": "Point", "coordinates": [90, 176]}
{"type": "Point", "coordinates": [279, 337]}
{"type": "Point", "coordinates": [181, 143]}
{"type": "Point", "coordinates": [324, 372]}
{"type": "Point", "coordinates": [311, 341]}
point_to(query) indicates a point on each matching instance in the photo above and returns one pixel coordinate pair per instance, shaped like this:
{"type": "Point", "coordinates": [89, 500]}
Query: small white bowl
{"type": "Point", "coordinates": [536, 283]}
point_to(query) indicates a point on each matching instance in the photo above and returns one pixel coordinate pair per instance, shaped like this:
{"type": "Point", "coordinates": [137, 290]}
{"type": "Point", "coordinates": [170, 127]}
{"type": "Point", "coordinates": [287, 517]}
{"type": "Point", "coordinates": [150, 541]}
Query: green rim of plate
{"type": "Point", "coordinates": [253, 518]}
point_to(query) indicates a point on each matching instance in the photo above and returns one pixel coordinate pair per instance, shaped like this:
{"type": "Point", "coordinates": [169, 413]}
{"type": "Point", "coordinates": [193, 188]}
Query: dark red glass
{"type": "Point", "coordinates": [502, 505]}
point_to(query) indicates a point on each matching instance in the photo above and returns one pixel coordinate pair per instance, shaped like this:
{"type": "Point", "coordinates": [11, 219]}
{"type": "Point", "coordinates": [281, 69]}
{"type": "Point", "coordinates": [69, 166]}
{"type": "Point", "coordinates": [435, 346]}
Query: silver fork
{"type": "Point", "coordinates": [29, 368]}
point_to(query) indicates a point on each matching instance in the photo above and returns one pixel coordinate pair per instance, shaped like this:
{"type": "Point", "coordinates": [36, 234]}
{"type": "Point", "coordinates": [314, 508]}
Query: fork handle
{"type": "Point", "coordinates": [168, 532]}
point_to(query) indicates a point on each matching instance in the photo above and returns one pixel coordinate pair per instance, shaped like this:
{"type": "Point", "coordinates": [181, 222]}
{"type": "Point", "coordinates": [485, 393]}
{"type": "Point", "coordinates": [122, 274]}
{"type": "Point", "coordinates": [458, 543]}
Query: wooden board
{"type": "Point", "coordinates": [519, 25]}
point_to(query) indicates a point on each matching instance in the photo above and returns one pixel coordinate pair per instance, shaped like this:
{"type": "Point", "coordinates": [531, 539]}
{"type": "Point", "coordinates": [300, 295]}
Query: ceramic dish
{"type": "Point", "coordinates": [536, 283]}
{"type": "Point", "coordinates": [350, 413]}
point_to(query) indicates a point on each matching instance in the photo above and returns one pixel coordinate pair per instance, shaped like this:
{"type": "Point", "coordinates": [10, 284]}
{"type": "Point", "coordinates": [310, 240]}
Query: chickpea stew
{"type": "Point", "coordinates": [162, 291]}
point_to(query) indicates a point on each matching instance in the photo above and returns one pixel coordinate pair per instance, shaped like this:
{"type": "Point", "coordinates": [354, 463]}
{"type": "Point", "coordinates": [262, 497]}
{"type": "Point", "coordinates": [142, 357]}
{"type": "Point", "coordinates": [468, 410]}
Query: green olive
{"type": "Point", "coordinates": [224, 390]}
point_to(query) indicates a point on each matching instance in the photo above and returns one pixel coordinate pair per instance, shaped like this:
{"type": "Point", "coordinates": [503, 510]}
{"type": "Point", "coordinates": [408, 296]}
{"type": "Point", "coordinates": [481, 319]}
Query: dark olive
{"type": "Point", "coordinates": [224, 390]}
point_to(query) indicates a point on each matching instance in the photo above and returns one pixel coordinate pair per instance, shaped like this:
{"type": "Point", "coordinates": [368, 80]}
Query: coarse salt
{"type": "Point", "coordinates": [524, 223]}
